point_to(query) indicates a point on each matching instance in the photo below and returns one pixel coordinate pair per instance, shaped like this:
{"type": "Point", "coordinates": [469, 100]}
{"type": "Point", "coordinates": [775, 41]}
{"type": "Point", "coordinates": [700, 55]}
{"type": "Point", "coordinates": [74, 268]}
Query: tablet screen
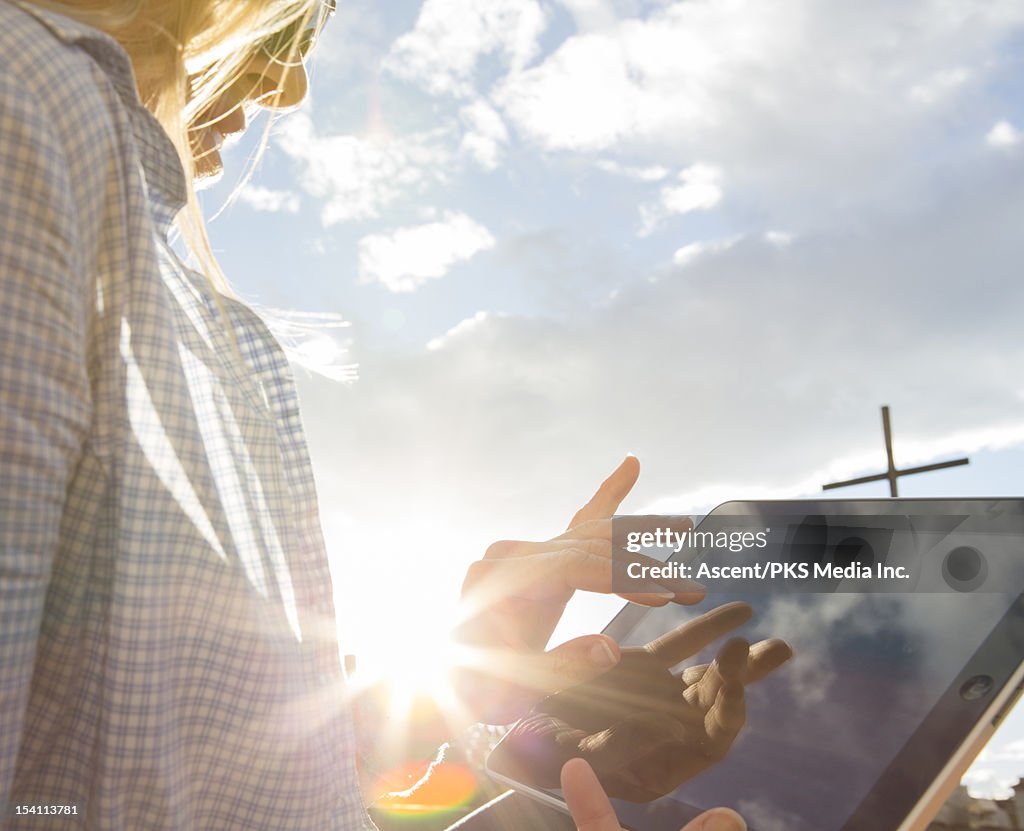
{"type": "Point", "coordinates": [877, 697]}
{"type": "Point", "coordinates": [865, 672]}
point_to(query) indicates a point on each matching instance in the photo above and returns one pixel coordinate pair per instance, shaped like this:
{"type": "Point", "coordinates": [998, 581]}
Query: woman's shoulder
{"type": "Point", "coordinates": [68, 71]}
{"type": "Point", "coordinates": [65, 94]}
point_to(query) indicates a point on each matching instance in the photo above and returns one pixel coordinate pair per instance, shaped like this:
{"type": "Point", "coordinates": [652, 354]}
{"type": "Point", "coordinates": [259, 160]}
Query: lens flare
{"type": "Point", "coordinates": [440, 787]}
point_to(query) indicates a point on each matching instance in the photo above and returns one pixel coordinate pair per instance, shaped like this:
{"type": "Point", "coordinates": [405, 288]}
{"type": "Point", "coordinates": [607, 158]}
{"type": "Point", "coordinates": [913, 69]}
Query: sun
{"type": "Point", "coordinates": [405, 694]}
{"type": "Point", "coordinates": [410, 669]}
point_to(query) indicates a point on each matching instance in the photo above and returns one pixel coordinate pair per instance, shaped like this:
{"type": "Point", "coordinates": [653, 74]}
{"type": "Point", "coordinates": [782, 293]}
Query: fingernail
{"type": "Point", "coordinates": [602, 656]}
{"type": "Point", "coordinates": [665, 595]}
{"type": "Point", "coordinates": [722, 819]}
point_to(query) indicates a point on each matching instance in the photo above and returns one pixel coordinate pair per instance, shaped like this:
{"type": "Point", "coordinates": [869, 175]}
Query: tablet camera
{"type": "Point", "coordinates": [977, 687]}
{"type": "Point", "coordinates": [859, 549]}
{"type": "Point", "coordinates": [964, 569]}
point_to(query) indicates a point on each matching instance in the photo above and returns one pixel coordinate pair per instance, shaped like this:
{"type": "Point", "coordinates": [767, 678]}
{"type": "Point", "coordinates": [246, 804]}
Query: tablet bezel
{"type": "Point", "coordinates": [933, 760]}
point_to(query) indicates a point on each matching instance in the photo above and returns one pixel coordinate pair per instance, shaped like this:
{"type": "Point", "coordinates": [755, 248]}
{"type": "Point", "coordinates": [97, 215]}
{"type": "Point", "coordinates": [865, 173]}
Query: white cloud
{"type": "Point", "coordinates": [1011, 752]}
{"type": "Point", "coordinates": [698, 189]}
{"type": "Point", "coordinates": [780, 239]}
{"type": "Point", "coordinates": [990, 784]}
{"type": "Point", "coordinates": [644, 78]}
{"type": "Point", "coordinates": [1003, 134]}
{"type": "Point", "coordinates": [754, 371]}
{"type": "Point", "coordinates": [757, 369]}
{"type": "Point", "coordinates": [647, 173]}
{"type": "Point", "coordinates": [451, 37]}
{"type": "Point", "coordinates": [264, 199]}
{"type": "Point", "coordinates": [461, 329]}
{"type": "Point", "coordinates": [590, 15]}
{"type": "Point", "coordinates": [941, 85]}
{"type": "Point", "coordinates": [799, 101]}
{"type": "Point", "coordinates": [694, 250]}
{"type": "Point", "coordinates": [579, 98]}
{"type": "Point", "coordinates": [359, 177]}
{"type": "Point", "coordinates": [485, 135]}
{"type": "Point", "coordinates": [408, 257]}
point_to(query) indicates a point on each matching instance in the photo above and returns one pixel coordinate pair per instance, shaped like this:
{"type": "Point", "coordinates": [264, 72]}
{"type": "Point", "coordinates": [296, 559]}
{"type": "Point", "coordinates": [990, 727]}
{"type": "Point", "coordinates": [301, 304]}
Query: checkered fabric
{"type": "Point", "coordinates": [168, 657]}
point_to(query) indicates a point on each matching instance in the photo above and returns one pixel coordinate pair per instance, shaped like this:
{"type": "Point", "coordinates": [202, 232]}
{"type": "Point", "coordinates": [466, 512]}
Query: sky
{"type": "Point", "coordinates": [510, 242]}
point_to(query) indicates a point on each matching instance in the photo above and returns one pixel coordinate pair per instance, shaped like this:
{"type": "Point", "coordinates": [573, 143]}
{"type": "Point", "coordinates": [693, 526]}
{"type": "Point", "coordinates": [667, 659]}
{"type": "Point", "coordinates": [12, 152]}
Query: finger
{"type": "Point", "coordinates": [586, 799]}
{"type": "Point", "coordinates": [731, 662]}
{"type": "Point", "coordinates": [765, 657]}
{"type": "Point", "coordinates": [593, 532]}
{"type": "Point", "coordinates": [573, 662]}
{"type": "Point", "coordinates": [662, 591]}
{"type": "Point", "coordinates": [643, 751]}
{"type": "Point", "coordinates": [603, 528]}
{"type": "Point", "coordinates": [729, 666]}
{"type": "Point", "coordinates": [558, 573]}
{"type": "Point", "coordinates": [609, 495]}
{"type": "Point", "coordinates": [504, 682]}
{"type": "Point", "coordinates": [687, 640]}
{"type": "Point", "coordinates": [587, 535]}
{"type": "Point", "coordinates": [655, 600]}
{"type": "Point", "coordinates": [726, 717]}
{"type": "Point", "coordinates": [718, 819]}
{"type": "Point", "coordinates": [538, 576]}
{"type": "Point", "coordinates": [591, 528]}
{"type": "Point", "coordinates": [509, 549]}
{"type": "Point", "coordinates": [692, 675]}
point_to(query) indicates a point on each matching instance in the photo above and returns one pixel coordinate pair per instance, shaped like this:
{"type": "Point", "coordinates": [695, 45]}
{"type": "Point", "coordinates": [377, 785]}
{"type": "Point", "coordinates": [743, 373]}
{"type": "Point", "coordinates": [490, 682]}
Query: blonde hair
{"type": "Point", "coordinates": [186, 54]}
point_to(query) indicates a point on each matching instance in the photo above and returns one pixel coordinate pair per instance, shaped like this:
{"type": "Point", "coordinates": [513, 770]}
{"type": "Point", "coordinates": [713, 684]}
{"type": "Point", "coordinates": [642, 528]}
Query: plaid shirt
{"type": "Point", "coordinates": [168, 657]}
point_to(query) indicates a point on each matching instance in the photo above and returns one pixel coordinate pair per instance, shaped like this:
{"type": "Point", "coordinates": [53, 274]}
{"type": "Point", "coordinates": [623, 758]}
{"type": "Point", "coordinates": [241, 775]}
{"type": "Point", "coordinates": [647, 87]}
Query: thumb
{"type": "Point", "coordinates": [586, 799]}
{"type": "Point", "coordinates": [717, 819]}
{"type": "Point", "coordinates": [502, 684]}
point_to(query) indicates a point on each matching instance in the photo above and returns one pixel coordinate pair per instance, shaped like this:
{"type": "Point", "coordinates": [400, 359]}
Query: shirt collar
{"type": "Point", "coordinates": [164, 175]}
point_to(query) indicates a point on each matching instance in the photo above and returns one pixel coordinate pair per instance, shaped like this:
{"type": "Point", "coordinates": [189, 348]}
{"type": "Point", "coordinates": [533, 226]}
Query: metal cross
{"type": "Point", "coordinates": [892, 474]}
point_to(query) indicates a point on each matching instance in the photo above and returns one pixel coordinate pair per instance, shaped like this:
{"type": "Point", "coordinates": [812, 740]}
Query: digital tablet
{"type": "Point", "coordinates": [906, 619]}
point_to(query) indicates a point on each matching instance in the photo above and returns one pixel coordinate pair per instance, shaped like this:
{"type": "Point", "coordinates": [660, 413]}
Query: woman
{"type": "Point", "coordinates": [167, 636]}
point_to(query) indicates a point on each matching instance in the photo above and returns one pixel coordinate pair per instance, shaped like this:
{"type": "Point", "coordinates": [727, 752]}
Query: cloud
{"type": "Point", "coordinates": [405, 259]}
{"type": "Point", "coordinates": [757, 370]}
{"type": "Point", "coordinates": [694, 250]}
{"type": "Point", "coordinates": [485, 133]}
{"type": "Point", "coordinates": [990, 784]}
{"type": "Point", "coordinates": [264, 199]}
{"type": "Point", "coordinates": [645, 78]}
{"type": "Point", "coordinates": [358, 177]}
{"type": "Point", "coordinates": [871, 259]}
{"type": "Point", "coordinates": [797, 102]}
{"type": "Point", "coordinates": [1003, 134]}
{"type": "Point", "coordinates": [945, 82]}
{"type": "Point", "coordinates": [579, 98]}
{"type": "Point", "coordinates": [649, 173]}
{"type": "Point", "coordinates": [779, 238]}
{"type": "Point", "coordinates": [1011, 752]}
{"type": "Point", "coordinates": [451, 37]}
{"type": "Point", "coordinates": [463, 328]}
{"type": "Point", "coordinates": [697, 189]}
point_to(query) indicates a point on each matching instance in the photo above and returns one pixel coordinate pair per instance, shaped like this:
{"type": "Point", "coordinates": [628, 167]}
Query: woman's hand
{"type": "Point", "coordinates": [514, 597]}
{"type": "Point", "coordinates": [644, 730]}
{"type": "Point", "coordinates": [592, 811]}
